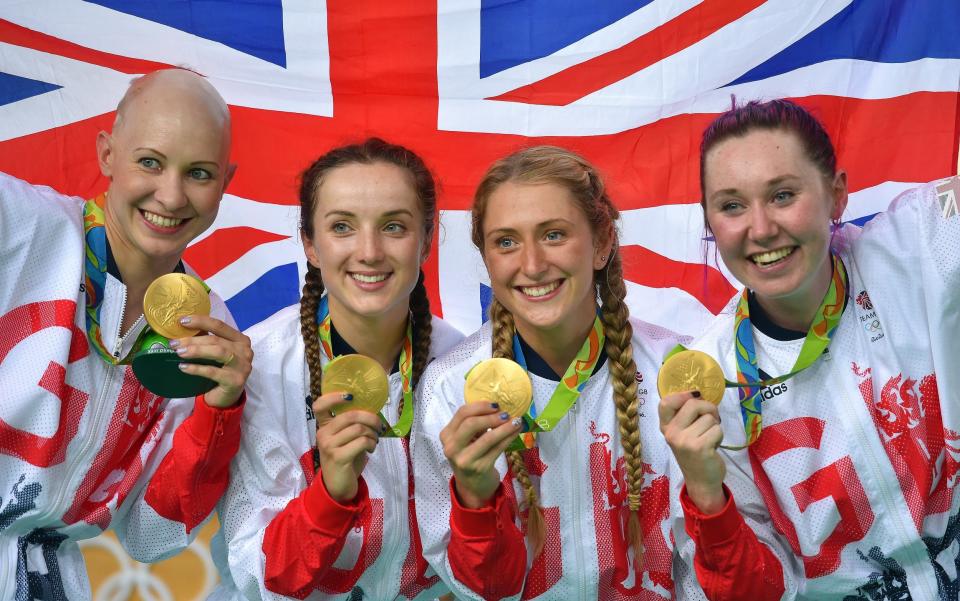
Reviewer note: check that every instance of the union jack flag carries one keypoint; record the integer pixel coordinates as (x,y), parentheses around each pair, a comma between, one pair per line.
(630,84)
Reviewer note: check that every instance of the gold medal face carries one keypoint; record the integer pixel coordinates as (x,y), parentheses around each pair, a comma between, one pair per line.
(692,370)
(362,377)
(500,381)
(170,297)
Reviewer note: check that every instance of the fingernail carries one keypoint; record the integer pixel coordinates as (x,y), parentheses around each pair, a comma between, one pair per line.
(184,320)
(518,421)
(383,429)
(183,366)
(695,394)
(181,351)
(174,343)
(346,396)
(504,416)
(494,405)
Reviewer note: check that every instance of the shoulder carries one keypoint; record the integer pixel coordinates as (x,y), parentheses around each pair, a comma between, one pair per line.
(38,205)
(457,361)
(443,337)
(651,343)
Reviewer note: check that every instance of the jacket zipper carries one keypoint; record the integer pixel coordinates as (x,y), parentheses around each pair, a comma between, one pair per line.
(577,536)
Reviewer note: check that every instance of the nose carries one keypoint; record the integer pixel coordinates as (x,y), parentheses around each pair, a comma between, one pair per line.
(762,225)
(533,261)
(370,248)
(170,192)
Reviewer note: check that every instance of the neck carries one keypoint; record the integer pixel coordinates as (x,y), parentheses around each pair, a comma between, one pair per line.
(797,311)
(137,273)
(379,337)
(558,346)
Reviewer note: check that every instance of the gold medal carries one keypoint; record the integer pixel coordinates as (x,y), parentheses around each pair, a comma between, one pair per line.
(362,377)
(500,381)
(692,370)
(170,297)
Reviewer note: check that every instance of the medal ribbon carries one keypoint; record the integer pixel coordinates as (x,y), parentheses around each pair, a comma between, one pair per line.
(818,337)
(567,391)
(405,363)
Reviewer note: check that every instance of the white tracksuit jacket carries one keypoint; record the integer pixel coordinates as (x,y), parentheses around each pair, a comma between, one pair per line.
(852,483)
(282,531)
(80,438)
(578,468)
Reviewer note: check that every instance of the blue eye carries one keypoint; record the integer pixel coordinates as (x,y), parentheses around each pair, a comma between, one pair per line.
(783,196)
(340,228)
(149,163)
(730,206)
(554,235)
(200,174)
(505,243)
(394,228)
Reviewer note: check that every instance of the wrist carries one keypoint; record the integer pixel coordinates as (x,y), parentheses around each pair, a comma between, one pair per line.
(339,491)
(471,498)
(709,499)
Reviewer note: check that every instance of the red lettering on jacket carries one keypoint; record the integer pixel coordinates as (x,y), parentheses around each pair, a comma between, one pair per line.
(838,481)
(339,580)
(15,327)
(609,483)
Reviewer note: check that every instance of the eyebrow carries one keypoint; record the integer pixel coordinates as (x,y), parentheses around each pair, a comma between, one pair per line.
(769,184)
(163,156)
(540,226)
(393,213)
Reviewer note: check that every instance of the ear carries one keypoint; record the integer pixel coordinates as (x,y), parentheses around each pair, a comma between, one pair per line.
(603,250)
(105,153)
(228,177)
(308,250)
(839,191)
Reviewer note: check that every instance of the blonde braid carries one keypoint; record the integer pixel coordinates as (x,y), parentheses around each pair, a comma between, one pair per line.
(422,331)
(623,369)
(535,523)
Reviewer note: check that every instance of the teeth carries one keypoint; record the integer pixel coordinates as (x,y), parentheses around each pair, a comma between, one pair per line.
(369,279)
(771,256)
(160,220)
(539,290)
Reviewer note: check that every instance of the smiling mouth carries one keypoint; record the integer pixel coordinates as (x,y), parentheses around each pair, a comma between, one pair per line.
(538,291)
(772,257)
(369,278)
(160,220)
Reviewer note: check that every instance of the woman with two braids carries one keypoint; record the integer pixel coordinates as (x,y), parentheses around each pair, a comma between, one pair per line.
(321,506)
(581,508)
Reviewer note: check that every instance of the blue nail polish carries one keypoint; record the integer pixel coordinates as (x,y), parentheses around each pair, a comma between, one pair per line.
(347,396)
(504,416)
(494,405)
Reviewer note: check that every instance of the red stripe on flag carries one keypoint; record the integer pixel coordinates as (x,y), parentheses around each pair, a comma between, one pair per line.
(225,246)
(17,35)
(573,83)
(704,283)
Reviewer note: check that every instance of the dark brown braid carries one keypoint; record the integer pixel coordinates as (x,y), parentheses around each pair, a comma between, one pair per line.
(422,331)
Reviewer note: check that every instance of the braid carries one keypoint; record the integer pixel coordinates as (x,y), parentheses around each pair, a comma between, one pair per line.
(422,331)
(309,300)
(503,328)
(619,332)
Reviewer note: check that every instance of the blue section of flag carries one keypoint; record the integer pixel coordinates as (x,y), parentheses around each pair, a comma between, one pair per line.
(274,290)
(486,297)
(255,28)
(14,88)
(888,31)
(862,220)
(516,31)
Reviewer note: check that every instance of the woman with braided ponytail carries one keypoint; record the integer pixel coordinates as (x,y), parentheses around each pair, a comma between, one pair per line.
(321,506)
(590,490)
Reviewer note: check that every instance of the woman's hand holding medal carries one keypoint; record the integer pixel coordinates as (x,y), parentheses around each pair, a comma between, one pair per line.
(690,422)
(497,394)
(223,344)
(348,421)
